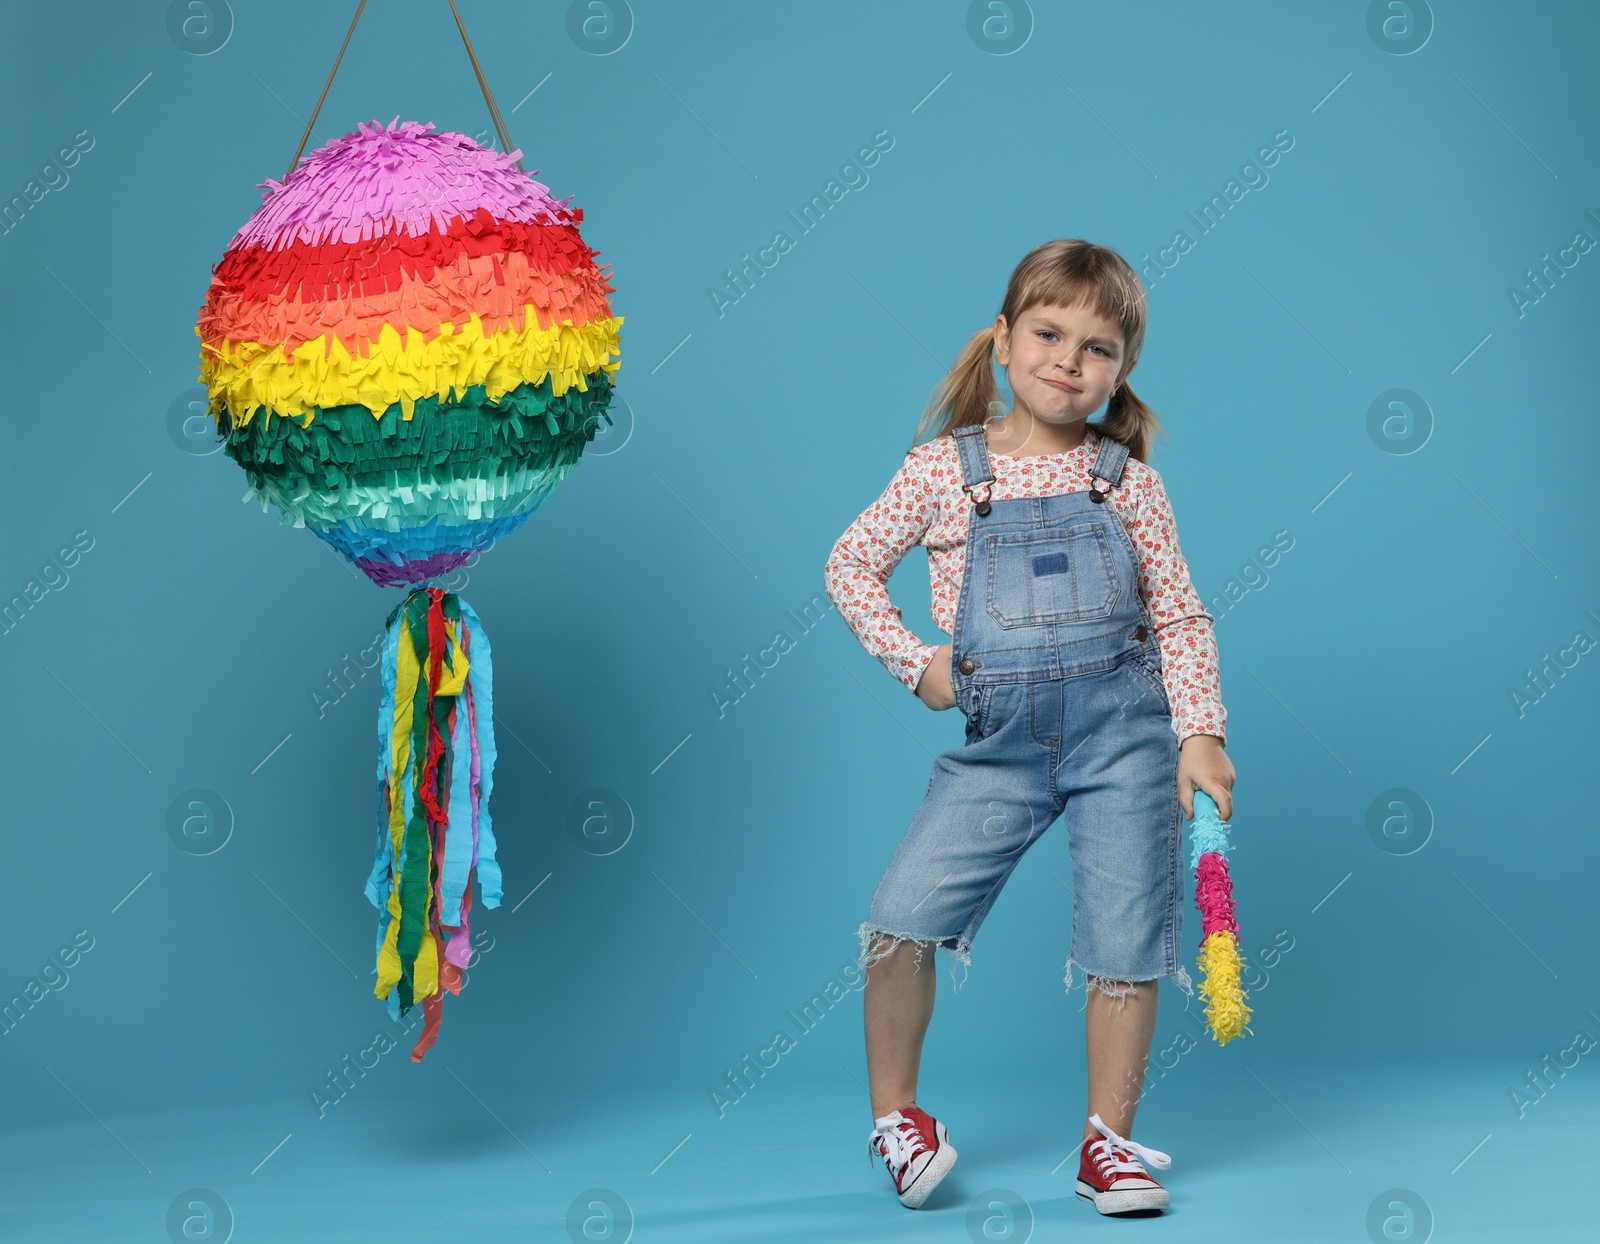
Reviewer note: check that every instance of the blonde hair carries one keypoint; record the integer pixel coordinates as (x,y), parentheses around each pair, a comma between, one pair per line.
(1064,272)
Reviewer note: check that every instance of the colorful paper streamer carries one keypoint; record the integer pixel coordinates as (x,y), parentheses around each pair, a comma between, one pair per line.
(435,773)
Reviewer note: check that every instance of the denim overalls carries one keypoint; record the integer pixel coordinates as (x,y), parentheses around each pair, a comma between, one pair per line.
(1057,672)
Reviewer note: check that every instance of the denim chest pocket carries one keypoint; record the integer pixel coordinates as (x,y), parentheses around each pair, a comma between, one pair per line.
(1056,574)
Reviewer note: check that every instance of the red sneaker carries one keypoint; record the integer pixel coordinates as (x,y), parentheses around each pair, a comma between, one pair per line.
(1111,1176)
(917,1151)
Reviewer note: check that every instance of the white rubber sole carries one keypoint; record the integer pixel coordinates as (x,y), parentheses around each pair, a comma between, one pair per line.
(924,1184)
(1124,1201)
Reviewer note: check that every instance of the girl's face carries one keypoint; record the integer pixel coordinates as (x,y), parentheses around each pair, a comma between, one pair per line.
(1062,362)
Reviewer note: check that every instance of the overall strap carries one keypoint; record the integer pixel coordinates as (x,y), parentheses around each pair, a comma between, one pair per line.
(1108,463)
(975,465)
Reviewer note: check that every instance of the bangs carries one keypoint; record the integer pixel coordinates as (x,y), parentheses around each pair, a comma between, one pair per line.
(1072,276)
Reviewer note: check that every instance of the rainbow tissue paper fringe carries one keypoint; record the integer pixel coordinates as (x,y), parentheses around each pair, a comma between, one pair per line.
(435,774)
(1226,1012)
(407,347)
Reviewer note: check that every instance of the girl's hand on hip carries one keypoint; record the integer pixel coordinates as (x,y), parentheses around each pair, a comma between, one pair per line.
(1203,764)
(934,688)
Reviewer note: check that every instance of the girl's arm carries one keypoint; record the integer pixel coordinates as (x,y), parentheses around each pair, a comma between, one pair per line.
(1183,627)
(857,571)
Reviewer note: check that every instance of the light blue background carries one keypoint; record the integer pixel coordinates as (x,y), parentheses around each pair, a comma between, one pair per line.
(1378,654)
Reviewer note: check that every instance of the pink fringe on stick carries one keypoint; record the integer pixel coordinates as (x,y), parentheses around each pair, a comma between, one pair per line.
(1213,895)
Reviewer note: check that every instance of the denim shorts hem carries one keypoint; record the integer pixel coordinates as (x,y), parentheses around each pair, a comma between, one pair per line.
(1106,982)
(956,943)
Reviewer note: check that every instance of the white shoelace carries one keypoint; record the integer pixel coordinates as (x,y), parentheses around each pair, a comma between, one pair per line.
(901,1139)
(1109,1145)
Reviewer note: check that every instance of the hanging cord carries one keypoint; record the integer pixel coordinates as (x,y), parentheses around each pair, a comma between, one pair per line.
(325,87)
(483,85)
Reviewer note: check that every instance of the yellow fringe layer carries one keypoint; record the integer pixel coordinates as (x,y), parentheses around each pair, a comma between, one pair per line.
(245,376)
(1220,990)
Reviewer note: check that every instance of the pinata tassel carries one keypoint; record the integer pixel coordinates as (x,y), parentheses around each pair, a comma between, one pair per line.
(1227,1014)
(435,771)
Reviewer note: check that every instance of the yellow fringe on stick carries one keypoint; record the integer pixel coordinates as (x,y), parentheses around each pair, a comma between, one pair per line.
(1220,990)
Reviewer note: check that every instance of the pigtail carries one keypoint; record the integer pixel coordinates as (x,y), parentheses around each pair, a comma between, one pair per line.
(968,393)
(1129,420)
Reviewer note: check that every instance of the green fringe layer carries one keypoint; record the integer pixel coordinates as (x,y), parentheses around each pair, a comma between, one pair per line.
(344,448)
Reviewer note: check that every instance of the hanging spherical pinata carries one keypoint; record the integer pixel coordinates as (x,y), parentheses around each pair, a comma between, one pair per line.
(407,347)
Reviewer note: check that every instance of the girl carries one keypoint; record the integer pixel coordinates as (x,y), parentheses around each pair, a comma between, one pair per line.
(1085,665)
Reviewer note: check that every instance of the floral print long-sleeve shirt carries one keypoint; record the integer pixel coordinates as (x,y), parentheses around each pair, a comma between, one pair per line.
(924,504)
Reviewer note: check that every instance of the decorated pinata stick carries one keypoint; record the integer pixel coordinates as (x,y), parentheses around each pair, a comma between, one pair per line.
(1227,1015)
(407,347)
